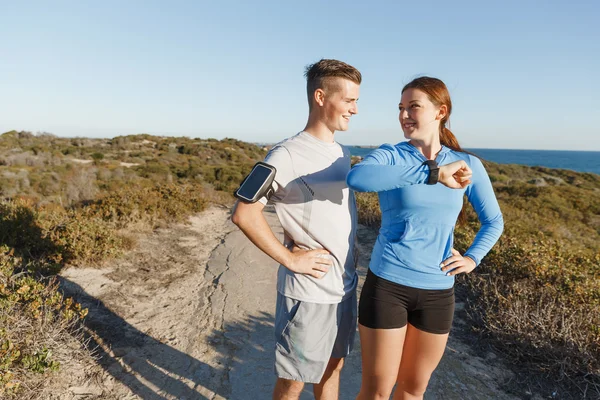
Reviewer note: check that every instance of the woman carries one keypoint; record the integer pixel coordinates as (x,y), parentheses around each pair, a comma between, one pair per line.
(407,302)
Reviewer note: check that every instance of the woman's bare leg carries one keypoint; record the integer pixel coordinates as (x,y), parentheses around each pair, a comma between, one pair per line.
(381,352)
(422,353)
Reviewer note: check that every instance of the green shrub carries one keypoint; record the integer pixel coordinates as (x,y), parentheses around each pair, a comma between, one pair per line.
(97,156)
(56,235)
(34,317)
(149,204)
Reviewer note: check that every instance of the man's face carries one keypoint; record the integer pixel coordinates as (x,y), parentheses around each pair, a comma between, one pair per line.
(339,104)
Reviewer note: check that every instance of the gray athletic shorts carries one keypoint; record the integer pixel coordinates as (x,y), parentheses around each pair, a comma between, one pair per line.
(309,334)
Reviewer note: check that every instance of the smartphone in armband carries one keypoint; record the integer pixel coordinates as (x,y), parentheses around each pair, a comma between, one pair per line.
(258,183)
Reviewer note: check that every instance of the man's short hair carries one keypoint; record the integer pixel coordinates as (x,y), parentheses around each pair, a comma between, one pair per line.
(320,76)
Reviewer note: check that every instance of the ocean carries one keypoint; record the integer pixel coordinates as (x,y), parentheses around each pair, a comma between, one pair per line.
(580,161)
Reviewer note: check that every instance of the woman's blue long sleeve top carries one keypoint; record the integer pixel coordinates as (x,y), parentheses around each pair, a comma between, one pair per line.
(417,220)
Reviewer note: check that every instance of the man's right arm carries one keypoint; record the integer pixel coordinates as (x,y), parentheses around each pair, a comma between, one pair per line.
(250,219)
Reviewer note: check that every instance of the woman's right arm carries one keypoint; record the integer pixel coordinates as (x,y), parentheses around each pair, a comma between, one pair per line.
(379,172)
(383,170)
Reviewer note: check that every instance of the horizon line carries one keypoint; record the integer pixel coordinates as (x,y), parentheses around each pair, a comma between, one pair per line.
(365,146)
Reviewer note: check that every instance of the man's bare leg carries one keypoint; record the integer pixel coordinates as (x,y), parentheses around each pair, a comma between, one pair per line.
(287,389)
(329,387)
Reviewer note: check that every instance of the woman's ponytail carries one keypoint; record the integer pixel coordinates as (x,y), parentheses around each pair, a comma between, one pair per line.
(448,139)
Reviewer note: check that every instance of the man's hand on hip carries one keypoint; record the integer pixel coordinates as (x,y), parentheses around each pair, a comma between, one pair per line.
(315,263)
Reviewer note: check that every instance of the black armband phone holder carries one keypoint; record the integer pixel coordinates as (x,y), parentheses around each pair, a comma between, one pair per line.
(257,184)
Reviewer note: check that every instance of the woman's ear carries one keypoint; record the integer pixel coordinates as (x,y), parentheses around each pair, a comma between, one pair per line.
(442,112)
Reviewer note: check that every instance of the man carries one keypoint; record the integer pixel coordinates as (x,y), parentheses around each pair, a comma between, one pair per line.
(315,319)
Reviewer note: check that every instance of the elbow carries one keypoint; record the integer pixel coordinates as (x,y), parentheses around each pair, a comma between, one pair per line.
(350,181)
(353,180)
(244,215)
(235,218)
(500,224)
(236,215)
(497,226)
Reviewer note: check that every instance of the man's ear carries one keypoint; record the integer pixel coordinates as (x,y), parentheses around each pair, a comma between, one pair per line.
(442,112)
(319,97)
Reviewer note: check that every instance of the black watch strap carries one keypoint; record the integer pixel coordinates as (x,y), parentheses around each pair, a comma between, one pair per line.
(434,171)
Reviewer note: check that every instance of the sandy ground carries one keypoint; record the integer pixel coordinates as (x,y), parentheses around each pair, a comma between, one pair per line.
(188,314)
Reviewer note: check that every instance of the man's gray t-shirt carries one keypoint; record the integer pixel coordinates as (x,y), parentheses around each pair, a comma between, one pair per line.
(317,210)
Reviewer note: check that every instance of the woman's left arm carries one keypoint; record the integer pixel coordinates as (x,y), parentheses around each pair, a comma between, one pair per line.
(480,194)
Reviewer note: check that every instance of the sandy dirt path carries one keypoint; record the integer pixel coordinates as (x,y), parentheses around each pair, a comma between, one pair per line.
(188,314)
(152,314)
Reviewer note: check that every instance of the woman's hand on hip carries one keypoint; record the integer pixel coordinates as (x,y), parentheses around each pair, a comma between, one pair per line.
(457,264)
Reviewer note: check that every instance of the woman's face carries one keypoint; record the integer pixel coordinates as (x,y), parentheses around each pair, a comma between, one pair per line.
(419,117)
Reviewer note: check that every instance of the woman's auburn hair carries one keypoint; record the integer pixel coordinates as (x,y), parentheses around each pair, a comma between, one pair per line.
(438,94)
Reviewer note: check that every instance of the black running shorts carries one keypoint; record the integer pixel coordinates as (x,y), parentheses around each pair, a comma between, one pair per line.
(388,305)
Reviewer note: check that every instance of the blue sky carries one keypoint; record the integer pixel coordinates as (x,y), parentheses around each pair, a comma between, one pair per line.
(522,74)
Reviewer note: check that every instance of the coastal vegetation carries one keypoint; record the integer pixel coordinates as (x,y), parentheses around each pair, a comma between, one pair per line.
(81,202)
(78,201)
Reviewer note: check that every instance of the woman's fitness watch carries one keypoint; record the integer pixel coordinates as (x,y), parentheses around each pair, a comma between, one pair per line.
(434,172)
